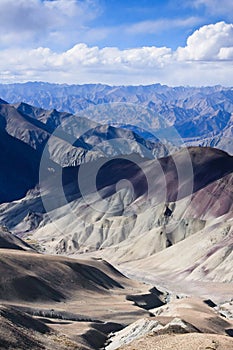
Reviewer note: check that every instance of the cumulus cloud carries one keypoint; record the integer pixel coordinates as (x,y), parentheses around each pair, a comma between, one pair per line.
(209,43)
(83,56)
(206,59)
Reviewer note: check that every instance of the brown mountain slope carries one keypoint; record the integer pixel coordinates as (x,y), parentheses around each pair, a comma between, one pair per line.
(168,200)
(49,300)
(175,202)
(20,331)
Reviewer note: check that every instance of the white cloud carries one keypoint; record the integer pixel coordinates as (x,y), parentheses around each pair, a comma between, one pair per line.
(205,60)
(152,27)
(226,53)
(83,56)
(215,7)
(209,43)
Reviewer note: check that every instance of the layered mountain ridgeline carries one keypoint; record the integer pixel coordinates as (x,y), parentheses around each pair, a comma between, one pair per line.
(202,116)
(26,130)
(141,212)
(166,208)
(72,187)
(102,190)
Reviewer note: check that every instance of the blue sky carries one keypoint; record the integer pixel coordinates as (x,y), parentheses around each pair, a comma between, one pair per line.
(117,42)
(140,14)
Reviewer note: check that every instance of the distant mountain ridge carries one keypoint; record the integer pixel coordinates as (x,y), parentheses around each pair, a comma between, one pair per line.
(201,115)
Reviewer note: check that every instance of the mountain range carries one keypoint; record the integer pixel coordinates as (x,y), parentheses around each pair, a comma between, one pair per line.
(105,188)
(199,116)
(26,130)
(78,191)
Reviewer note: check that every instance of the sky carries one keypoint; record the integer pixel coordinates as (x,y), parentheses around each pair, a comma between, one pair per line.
(117,42)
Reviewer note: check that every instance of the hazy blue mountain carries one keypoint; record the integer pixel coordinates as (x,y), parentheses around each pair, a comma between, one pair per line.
(201,115)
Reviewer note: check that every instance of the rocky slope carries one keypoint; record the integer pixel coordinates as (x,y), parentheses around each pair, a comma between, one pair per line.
(126,208)
(181,324)
(88,190)
(52,302)
(29,133)
(49,302)
(141,214)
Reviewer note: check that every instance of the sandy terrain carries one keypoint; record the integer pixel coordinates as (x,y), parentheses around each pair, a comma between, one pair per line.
(76,301)
(180,316)
(190,341)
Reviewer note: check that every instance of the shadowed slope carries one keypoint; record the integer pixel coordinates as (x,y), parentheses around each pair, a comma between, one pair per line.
(206,165)
(35,277)
(20,331)
(45,297)
(19,168)
(9,241)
